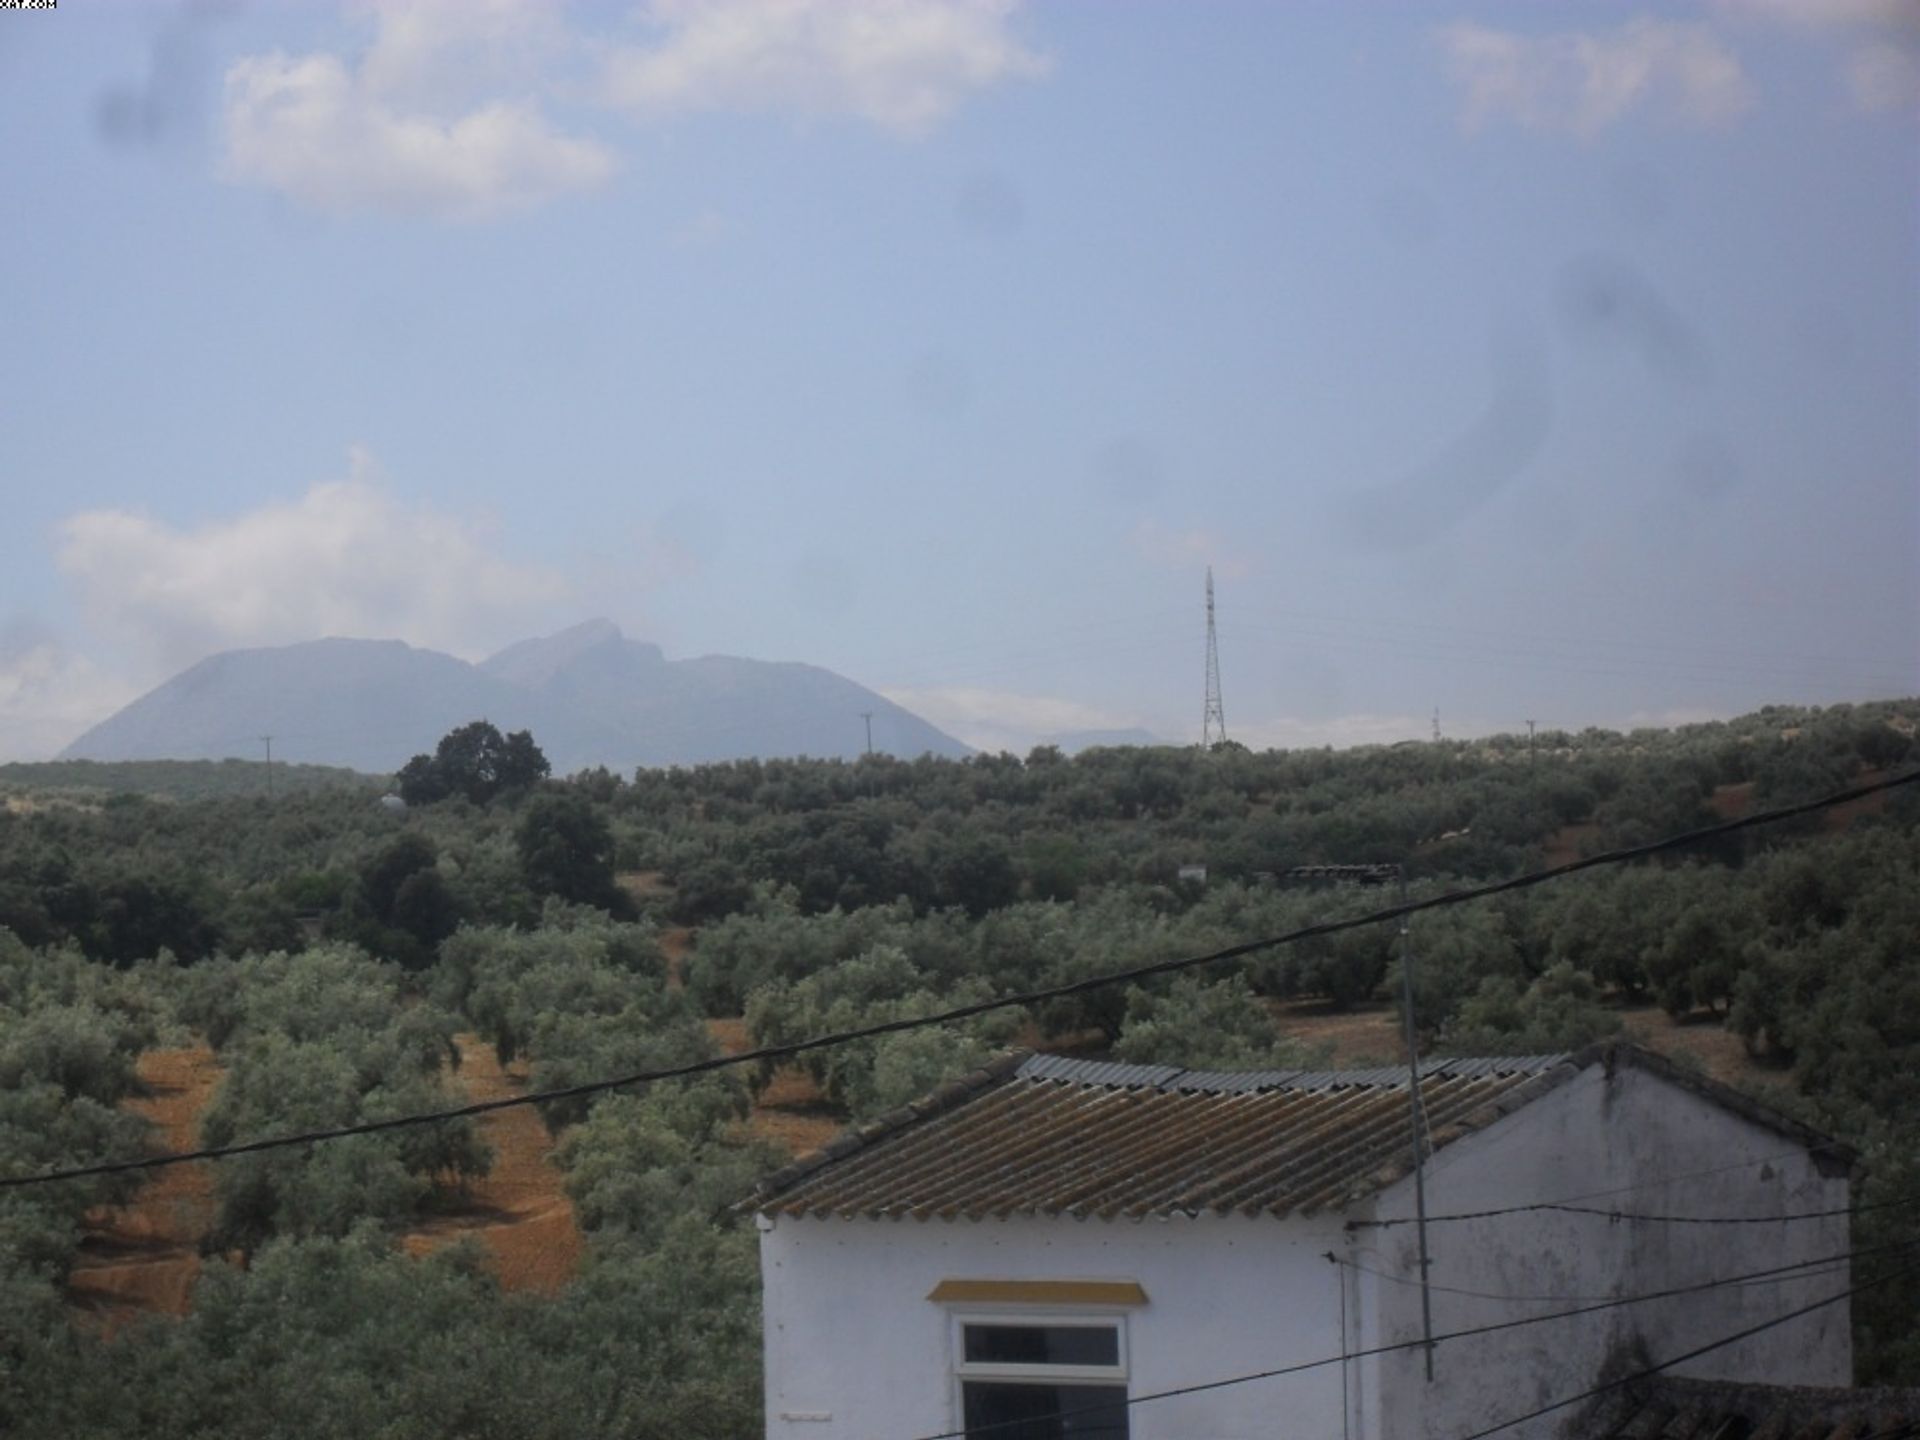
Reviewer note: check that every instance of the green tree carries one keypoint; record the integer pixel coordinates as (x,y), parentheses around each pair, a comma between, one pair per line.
(1219,1025)
(566,849)
(475,761)
(1560,1010)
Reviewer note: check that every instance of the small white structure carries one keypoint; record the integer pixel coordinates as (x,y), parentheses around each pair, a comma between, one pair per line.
(1037,1249)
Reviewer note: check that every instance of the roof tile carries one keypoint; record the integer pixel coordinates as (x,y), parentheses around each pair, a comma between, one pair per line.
(1047,1135)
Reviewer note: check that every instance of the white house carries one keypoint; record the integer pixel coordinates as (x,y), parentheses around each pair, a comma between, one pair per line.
(1027,1248)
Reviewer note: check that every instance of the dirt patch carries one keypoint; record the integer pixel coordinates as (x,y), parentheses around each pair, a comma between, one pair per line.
(1364,1036)
(1568,843)
(1731,802)
(518,1210)
(793,1113)
(143,1258)
(790,1111)
(730,1034)
(796,1131)
(1839,817)
(1370,1035)
(675,943)
(1718,1052)
(34,804)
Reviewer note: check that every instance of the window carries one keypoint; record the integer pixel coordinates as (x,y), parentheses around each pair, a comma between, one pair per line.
(1028,1378)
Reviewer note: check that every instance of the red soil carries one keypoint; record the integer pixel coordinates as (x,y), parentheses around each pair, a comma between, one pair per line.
(518,1210)
(144,1258)
(791,1111)
(674,945)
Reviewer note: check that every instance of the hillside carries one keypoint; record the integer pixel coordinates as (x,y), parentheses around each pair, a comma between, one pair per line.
(590,695)
(93,780)
(330,961)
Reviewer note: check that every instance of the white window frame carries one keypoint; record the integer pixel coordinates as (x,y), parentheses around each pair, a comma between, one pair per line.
(1030,1317)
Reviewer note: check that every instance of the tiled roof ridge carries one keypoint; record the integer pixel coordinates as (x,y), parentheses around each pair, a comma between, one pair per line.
(1524,1079)
(949,1096)
(1496,1108)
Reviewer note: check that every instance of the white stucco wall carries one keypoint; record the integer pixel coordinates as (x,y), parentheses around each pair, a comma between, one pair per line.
(1660,1137)
(851,1336)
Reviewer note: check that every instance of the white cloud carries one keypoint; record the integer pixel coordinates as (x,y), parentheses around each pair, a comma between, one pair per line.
(1583,82)
(1285,732)
(346,558)
(447,54)
(1671,719)
(402,132)
(996,720)
(900,64)
(48,694)
(1882,66)
(441,116)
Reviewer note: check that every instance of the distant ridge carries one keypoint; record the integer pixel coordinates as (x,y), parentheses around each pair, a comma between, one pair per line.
(589,695)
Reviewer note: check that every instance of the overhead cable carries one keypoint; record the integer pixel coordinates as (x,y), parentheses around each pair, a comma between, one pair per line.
(1495,1327)
(834,1039)
(1648,1372)
(1630,1215)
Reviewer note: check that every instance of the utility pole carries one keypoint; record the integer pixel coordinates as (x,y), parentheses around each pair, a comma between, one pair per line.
(1374,875)
(867,715)
(1436,724)
(267,740)
(1419,1116)
(1213,724)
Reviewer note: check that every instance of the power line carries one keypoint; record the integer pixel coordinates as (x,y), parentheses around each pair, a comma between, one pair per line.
(1813,1267)
(1647,1373)
(1672,1179)
(833,1039)
(1648,1219)
(1493,1328)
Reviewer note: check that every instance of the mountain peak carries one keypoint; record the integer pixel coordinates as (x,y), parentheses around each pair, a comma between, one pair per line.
(535,662)
(589,695)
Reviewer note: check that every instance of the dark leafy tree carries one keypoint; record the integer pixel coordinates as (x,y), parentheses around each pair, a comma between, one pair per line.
(566,849)
(404,907)
(475,761)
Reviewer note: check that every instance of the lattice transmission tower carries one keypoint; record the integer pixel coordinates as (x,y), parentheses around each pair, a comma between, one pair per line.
(1213,727)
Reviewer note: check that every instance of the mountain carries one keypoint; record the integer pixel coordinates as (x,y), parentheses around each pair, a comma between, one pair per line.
(589,695)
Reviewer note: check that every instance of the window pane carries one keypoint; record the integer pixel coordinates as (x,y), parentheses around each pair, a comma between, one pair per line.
(1001,1410)
(1043,1344)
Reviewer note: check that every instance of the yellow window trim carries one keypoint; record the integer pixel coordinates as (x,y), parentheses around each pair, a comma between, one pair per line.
(1039,1292)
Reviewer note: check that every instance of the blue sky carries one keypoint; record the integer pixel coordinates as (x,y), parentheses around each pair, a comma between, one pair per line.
(1520,361)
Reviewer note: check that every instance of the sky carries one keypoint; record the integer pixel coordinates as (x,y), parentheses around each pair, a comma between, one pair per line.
(1541,362)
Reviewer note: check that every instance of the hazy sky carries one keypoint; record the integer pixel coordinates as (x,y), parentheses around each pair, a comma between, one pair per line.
(1524,361)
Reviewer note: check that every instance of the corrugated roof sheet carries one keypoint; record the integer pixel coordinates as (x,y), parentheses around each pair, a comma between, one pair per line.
(1046,1135)
(1169,1077)
(1672,1409)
